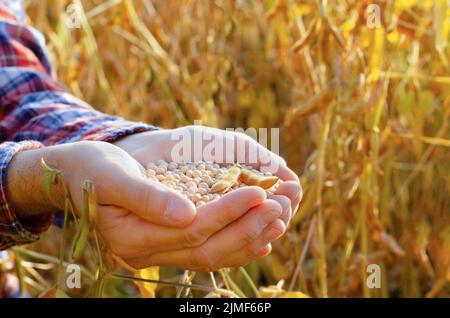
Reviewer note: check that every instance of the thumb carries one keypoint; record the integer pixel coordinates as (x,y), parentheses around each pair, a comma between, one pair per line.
(153,202)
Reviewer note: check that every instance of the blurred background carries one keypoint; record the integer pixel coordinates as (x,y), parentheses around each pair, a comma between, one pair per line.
(359,89)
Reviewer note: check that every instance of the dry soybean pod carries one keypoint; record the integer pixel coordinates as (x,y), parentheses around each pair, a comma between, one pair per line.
(81,239)
(252,179)
(227,182)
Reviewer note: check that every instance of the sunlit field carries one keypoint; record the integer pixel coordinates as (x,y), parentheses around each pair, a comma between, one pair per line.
(363,107)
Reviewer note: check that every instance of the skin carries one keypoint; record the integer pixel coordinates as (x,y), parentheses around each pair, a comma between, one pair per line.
(149,224)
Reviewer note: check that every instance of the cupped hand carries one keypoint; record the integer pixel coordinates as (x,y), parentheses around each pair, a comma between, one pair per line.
(160,144)
(143,222)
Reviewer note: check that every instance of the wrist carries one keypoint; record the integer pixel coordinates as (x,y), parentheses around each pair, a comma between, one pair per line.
(25,183)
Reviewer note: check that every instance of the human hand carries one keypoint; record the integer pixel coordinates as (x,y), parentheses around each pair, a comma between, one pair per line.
(155,145)
(133,210)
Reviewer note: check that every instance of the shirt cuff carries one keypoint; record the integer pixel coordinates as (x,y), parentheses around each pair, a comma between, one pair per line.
(12,230)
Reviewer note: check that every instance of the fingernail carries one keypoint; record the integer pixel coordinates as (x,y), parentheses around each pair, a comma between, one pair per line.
(176,210)
(270,216)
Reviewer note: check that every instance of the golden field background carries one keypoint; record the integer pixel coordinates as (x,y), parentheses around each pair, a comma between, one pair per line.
(363,116)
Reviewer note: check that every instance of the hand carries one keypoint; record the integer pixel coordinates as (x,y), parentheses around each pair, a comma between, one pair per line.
(117,177)
(154,145)
(133,211)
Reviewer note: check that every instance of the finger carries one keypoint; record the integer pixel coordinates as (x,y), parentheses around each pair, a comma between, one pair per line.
(217,214)
(243,231)
(293,191)
(208,257)
(285,204)
(259,248)
(145,236)
(150,200)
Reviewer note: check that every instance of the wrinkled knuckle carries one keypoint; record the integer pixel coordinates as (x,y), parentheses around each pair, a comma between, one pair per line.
(284,201)
(143,196)
(194,238)
(203,261)
(227,213)
(250,252)
(250,235)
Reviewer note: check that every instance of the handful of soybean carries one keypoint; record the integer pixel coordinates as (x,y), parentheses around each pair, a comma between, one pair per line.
(203,182)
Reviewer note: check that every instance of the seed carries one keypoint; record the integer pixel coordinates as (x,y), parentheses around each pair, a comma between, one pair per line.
(203,185)
(206,179)
(150,173)
(200,203)
(195,197)
(160,170)
(202,191)
(160,177)
(196,174)
(168,178)
(184,169)
(168,183)
(191,190)
(184,178)
(191,184)
(201,167)
(172,166)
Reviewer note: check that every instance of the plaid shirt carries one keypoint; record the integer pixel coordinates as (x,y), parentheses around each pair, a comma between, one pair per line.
(36,111)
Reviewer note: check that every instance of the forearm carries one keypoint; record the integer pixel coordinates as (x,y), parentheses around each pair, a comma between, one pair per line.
(34,105)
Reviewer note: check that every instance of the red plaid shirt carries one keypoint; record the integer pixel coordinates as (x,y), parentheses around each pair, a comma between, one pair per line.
(36,111)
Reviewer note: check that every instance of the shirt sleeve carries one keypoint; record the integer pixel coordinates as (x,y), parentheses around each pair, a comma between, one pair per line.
(36,111)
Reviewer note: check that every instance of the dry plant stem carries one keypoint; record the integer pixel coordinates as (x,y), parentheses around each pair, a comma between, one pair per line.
(213,279)
(20,271)
(50,259)
(219,291)
(37,277)
(298,268)
(190,279)
(250,282)
(231,284)
(184,280)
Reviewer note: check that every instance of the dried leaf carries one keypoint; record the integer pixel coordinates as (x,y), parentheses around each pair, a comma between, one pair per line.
(147,290)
